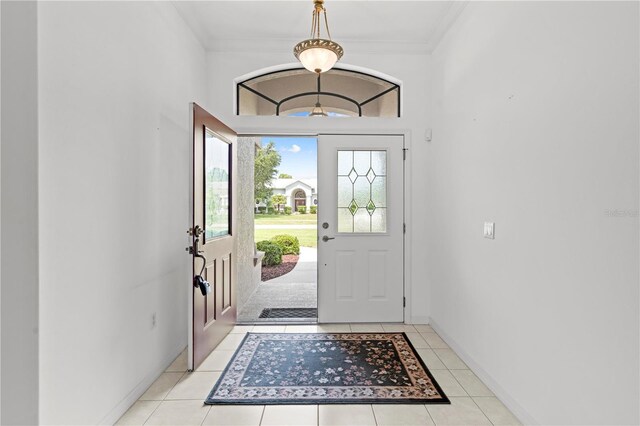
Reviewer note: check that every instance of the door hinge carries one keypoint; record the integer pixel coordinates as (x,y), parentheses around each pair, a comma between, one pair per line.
(404,228)
(404,153)
(404,302)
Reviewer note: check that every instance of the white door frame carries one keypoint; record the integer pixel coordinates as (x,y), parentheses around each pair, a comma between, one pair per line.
(408,186)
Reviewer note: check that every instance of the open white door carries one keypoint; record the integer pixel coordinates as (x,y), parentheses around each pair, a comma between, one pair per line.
(360,228)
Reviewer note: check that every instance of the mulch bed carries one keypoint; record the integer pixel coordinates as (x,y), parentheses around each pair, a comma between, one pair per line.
(288,263)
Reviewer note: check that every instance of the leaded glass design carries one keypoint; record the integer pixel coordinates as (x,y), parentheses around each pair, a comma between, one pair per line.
(362,191)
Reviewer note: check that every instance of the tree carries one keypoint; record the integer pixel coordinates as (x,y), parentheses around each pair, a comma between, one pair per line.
(267,159)
(278,200)
(285,176)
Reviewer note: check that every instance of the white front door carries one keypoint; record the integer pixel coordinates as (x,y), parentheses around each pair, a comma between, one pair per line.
(360,228)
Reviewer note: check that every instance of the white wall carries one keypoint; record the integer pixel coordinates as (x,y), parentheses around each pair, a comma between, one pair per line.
(115,82)
(411,69)
(19,199)
(536,129)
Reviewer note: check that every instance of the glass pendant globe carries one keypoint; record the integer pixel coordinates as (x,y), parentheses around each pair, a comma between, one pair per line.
(318,59)
(318,111)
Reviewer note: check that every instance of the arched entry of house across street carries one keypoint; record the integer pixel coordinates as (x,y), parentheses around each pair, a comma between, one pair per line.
(299,199)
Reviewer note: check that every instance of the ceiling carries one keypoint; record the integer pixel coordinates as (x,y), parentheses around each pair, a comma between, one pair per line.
(363,26)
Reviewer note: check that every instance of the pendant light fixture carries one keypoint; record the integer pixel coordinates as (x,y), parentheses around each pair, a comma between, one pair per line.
(318,111)
(318,54)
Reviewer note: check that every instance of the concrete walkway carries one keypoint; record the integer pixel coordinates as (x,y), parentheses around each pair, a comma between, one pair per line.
(297,289)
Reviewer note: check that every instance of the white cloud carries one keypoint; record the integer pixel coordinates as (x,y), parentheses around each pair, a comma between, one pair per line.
(295,148)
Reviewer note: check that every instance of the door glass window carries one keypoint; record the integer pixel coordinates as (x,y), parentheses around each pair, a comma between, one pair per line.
(217,186)
(362,191)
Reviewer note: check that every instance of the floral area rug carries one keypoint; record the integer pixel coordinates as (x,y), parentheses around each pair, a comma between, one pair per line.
(326,368)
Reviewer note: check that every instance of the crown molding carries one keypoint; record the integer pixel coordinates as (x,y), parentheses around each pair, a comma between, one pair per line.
(446,22)
(413,46)
(357,46)
(350,46)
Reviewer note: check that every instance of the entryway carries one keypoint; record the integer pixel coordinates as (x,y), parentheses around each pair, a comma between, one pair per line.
(285,232)
(359,272)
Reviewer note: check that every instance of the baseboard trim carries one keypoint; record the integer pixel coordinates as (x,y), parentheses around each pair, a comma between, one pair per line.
(504,396)
(417,319)
(116,412)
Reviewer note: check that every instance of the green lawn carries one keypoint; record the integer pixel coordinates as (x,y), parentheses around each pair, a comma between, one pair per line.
(282,219)
(307,237)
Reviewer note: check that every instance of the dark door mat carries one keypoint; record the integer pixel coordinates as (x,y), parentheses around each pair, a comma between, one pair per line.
(289,313)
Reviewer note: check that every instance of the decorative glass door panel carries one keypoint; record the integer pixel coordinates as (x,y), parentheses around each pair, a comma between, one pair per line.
(362,191)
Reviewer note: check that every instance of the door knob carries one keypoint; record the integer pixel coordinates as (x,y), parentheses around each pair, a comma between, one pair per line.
(325,238)
(196,231)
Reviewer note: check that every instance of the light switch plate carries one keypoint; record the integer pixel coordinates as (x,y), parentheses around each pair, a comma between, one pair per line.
(489,230)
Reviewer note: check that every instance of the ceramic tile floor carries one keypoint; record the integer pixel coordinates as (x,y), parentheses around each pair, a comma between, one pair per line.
(176,397)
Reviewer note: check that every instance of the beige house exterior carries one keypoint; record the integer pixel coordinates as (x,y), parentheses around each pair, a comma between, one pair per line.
(299,192)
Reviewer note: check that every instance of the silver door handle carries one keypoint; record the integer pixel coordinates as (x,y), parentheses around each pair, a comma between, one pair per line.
(325,238)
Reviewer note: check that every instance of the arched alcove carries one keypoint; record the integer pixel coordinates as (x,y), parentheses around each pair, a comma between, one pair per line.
(300,198)
(342,91)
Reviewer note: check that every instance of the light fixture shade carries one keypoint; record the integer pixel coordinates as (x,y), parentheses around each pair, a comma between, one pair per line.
(318,55)
(318,111)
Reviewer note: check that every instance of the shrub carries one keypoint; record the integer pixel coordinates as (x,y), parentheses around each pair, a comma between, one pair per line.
(287,209)
(313,209)
(288,243)
(302,209)
(272,252)
(262,209)
(269,210)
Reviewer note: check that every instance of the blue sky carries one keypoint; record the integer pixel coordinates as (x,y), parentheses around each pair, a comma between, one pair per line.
(299,155)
